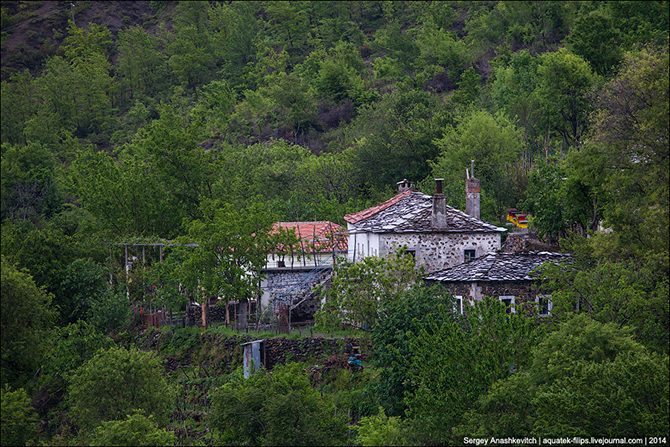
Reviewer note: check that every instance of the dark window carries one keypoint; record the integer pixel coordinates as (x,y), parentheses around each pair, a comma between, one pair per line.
(509,302)
(544,304)
(469,255)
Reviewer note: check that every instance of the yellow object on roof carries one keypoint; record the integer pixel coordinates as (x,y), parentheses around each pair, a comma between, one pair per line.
(518,218)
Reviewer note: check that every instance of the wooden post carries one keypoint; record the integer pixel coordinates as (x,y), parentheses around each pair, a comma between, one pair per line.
(313,247)
(302,247)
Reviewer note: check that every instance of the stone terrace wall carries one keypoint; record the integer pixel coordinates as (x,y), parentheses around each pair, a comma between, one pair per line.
(221,354)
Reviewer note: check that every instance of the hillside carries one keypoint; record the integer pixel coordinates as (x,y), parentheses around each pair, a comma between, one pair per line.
(149,149)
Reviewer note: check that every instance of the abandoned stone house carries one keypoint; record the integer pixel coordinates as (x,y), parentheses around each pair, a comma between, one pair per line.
(508,276)
(436,234)
(292,275)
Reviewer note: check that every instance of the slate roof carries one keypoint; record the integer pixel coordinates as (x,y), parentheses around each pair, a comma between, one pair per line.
(410,212)
(361,215)
(498,267)
(322,236)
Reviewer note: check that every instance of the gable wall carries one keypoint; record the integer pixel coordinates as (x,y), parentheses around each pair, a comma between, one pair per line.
(438,251)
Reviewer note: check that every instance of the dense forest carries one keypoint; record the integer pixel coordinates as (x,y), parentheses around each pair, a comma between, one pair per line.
(205,122)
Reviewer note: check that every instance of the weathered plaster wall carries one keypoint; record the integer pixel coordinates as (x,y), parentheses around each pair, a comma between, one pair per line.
(438,251)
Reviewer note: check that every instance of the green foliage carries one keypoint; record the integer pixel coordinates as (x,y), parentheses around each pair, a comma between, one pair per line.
(116,382)
(141,65)
(413,311)
(494,142)
(136,429)
(381,430)
(564,83)
(359,289)
(560,203)
(584,364)
(18,422)
(596,39)
(278,408)
(27,316)
(72,345)
(455,362)
(611,290)
(28,184)
(626,159)
(231,251)
(82,282)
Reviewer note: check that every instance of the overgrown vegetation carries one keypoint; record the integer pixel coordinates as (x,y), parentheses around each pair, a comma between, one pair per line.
(205,122)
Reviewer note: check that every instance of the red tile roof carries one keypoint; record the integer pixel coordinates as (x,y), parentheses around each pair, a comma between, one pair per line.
(321,236)
(362,215)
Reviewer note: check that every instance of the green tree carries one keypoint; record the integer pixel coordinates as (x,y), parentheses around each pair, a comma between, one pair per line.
(115,382)
(626,159)
(72,345)
(18,420)
(381,430)
(595,38)
(136,429)
(28,182)
(455,362)
(358,289)
(81,282)
(413,311)
(277,408)
(494,142)
(17,106)
(393,138)
(110,312)
(559,201)
(584,364)
(27,316)
(141,65)
(232,246)
(565,81)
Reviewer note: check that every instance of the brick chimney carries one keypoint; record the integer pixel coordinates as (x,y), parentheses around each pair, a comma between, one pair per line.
(404,185)
(439,215)
(472,192)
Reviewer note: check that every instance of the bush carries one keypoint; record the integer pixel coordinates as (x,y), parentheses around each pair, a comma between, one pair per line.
(381,430)
(136,429)
(18,423)
(114,383)
(278,408)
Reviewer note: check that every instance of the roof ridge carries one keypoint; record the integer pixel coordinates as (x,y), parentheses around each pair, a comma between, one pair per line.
(376,209)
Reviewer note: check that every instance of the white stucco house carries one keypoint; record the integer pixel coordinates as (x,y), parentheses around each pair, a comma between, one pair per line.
(438,235)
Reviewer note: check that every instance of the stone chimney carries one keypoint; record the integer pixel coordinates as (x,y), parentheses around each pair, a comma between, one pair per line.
(472,190)
(439,215)
(404,185)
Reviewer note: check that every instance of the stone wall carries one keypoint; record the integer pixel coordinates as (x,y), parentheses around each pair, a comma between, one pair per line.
(438,251)
(282,350)
(291,287)
(221,354)
(215,314)
(524,292)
